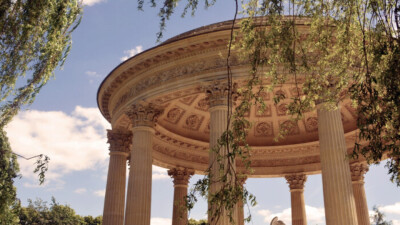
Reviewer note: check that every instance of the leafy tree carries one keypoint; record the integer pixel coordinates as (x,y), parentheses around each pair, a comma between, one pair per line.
(379,218)
(351,50)
(89,220)
(38,213)
(35,38)
(197,222)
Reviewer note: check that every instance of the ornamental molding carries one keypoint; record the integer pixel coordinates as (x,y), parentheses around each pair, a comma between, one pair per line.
(217,92)
(177,72)
(181,176)
(119,141)
(296,181)
(358,170)
(143,114)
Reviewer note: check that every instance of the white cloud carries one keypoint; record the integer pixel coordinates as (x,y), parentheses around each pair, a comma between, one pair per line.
(396,222)
(391,209)
(73,142)
(131,52)
(92,73)
(80,190)
(100,193)
(314,215)
(91,2)
(160,221)
(160,173)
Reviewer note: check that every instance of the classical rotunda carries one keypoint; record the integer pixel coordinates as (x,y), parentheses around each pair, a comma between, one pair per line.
(168,106)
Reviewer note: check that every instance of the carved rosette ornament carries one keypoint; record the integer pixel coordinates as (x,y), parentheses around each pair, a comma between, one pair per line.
(119,140)
(358,171)
(296,181)
(217,93)
(144,114)
(181,176)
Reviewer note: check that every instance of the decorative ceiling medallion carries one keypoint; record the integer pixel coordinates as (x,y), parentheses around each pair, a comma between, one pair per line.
(311,124)
(259,112)
(193,122)
(291,128)
(188,100)
(174,115)
(203,105)
(264,129)
(282,109)
(296,91)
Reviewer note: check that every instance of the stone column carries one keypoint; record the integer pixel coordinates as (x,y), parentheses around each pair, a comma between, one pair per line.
(138,201)
(357,176)
(338,192)
(296,185)
(240,206)
(114,201)
(181,178)
(217,94)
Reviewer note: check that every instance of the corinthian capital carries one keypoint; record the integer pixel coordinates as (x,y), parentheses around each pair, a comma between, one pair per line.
(181,175)
(217,93)
(296,181)
(357,171)
(144,114)
(119,140)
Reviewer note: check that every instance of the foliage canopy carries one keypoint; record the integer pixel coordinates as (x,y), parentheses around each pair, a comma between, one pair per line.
(35,38)
(351,50)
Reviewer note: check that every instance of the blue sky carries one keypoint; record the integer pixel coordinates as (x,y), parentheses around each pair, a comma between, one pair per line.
(65,124)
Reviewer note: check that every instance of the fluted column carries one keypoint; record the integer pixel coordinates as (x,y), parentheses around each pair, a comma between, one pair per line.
(217,94)
(138,202)
(240,206)
(338,192)
(114,201)
(357,176)
(181,178)
(296,185)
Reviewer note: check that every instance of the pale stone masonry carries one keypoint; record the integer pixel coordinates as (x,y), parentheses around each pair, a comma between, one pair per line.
(217,94)
(180,178)
(138,201)
(173,100)
(336,180)
(114,201)
(358,171)
(296,185)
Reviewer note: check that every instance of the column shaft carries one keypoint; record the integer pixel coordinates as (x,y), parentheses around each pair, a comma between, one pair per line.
(218,124)
(357,175)
(298,207)
(296,185)
(114,202)
(181,180)
(337,188)
(138,207)
(179,212)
